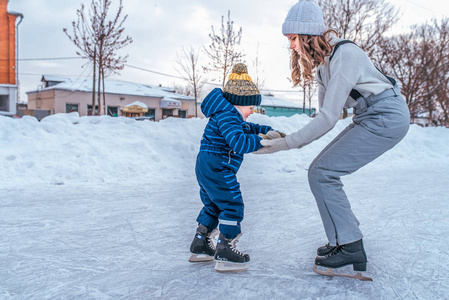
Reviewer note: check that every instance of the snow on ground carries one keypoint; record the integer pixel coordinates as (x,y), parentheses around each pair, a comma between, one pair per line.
(105,208)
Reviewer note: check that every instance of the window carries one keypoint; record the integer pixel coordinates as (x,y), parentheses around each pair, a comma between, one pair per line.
(89,110)
(71,107)
(113,111)
(4,102)
(182,113)
(167,113)
(151,113)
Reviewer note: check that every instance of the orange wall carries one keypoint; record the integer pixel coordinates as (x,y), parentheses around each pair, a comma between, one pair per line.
(7,45)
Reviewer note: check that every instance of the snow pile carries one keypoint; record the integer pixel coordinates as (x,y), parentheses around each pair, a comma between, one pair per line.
(66,148)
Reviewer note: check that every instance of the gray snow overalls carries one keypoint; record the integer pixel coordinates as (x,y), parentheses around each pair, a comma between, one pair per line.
(379,123)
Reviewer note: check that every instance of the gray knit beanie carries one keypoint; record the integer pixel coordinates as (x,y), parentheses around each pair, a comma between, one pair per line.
(305,17)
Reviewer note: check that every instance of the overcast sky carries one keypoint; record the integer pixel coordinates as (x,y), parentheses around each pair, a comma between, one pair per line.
(161,28)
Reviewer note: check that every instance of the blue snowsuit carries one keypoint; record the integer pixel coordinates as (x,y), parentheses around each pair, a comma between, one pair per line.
(226,138)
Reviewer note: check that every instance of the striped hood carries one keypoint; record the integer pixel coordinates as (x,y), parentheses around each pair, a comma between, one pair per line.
(215,102)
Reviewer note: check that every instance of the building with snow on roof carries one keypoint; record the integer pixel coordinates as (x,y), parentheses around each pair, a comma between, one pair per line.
(274,107)
(63,95)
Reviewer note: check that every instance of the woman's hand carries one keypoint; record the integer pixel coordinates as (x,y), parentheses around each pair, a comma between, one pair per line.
(272,146)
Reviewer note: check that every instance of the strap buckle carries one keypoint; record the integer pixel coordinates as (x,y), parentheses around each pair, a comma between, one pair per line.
(361,106)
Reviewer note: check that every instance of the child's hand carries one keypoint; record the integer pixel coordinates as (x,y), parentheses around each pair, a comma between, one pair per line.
(272,134)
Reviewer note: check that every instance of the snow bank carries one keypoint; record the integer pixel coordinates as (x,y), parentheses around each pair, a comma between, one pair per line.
(66,148)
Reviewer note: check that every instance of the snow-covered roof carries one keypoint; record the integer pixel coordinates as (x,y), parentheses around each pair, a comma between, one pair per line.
(54,78)
(112,87)
(268,100)
(137,103)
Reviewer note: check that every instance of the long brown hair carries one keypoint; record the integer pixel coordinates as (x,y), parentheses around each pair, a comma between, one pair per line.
(313,48)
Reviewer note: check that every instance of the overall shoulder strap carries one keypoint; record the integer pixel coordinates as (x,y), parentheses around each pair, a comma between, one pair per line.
(354,93)
(335,49)
(338,45)
(391,79)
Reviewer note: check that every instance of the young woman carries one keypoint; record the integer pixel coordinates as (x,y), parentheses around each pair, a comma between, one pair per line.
(346,79)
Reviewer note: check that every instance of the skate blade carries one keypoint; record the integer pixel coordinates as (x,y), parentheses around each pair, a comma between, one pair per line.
(200,258)
(330,272)
(226,266)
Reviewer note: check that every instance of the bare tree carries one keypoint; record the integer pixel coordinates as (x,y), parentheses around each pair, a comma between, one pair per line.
(403,60)
(222,50)
(440,87)
(362,21)
(311,89)
(181,89)
(98,40)
(308,91)
(303,85)
(419,60)
(258,81)
(190,71)
(443,105)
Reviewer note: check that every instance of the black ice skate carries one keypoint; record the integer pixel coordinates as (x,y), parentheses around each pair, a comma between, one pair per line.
(228,258)
(324,250)
(202,247)
(343,255)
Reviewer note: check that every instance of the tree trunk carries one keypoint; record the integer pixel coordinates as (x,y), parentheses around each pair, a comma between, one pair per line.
(304,99)
(310,100)
(196,99)
(104,93)
(93,82)
(99,87)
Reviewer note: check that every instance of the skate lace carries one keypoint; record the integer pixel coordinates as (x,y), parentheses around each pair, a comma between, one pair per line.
(335,251)
(233,245)
(211,236)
